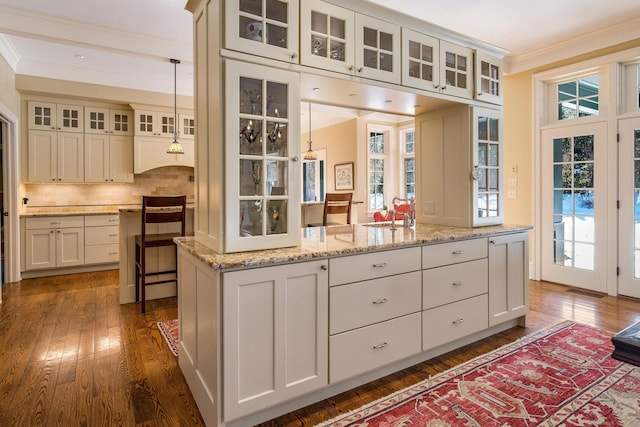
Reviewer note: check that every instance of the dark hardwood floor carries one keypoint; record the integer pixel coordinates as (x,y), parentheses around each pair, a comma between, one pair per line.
(71,355)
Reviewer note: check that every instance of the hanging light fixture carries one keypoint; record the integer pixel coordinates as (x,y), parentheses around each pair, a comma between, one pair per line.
(175,147)
(310,155)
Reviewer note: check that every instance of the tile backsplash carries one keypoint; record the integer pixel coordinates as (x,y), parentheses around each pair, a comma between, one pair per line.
(169,180)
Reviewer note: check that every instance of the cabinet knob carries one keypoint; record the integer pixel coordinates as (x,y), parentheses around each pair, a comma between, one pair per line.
(361,69)
(294,159)
(324,267)
(294,56)
(443,87)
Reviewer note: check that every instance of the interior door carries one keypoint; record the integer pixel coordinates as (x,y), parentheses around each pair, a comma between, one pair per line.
(574,182)
(629,212)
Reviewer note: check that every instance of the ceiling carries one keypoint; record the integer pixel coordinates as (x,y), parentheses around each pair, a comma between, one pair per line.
(126,43)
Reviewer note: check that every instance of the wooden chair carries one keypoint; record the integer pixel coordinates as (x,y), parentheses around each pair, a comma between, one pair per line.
(336,203)
(157,210)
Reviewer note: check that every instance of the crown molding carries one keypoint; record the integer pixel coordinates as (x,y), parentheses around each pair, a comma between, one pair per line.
(9,53)
(610,36)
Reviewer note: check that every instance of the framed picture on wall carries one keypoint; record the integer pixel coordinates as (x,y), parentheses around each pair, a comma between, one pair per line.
(344,176)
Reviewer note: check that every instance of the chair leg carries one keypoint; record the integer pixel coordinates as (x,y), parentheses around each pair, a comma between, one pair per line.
(143,276)
(137,273)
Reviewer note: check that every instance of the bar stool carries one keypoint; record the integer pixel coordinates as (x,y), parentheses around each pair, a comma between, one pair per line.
(157,210)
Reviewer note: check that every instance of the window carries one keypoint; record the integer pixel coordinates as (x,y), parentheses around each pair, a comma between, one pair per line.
(377,153)
(578,98)
(408,163)
(313,178)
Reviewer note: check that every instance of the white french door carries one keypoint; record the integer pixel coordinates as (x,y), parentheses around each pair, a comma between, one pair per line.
(574,182)
(629,212)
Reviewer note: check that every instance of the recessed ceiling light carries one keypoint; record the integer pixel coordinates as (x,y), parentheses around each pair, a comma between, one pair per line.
(316,89)
(80,56)
(352,94)
(388,101)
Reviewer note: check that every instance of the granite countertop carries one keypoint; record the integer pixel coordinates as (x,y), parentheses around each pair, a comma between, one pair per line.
(327,242)
(36,211)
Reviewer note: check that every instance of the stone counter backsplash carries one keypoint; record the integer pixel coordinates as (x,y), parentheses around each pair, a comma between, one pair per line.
(161,181)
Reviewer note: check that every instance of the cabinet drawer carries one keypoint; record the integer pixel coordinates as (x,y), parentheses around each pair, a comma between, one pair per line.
(363,303)
(101,220)
(444,285)
(37,223)
(449,322)
(354,352)
(101,235)
(373,265)
(453,252)
(99,254)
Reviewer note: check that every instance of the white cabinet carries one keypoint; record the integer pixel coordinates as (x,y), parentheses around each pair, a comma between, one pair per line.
(263,28)
(101,239)
(338,39)
(454,291)
(154,132)
(107,121)
(508,277)
(436,65)
(488,78)
(274,335)
(56,156)
(468,163)
(262,149)
(154,123)
(55,117)
(108,158)
(54,242)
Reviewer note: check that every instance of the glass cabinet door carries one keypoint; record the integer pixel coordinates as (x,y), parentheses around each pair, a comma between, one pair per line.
(267,28)
(377,49)
(488,78)
(420,61)
(488,186)
(262,151)
(327,36)
(456,70)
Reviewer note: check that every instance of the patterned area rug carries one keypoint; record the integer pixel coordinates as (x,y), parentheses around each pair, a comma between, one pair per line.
(169,331)
(562,376)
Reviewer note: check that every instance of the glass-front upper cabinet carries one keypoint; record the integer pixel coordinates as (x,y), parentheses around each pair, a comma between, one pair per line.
(420,61)
(267,28)
(327,36)
(262,151)
(377,49)
(488,185)
(488,78)
(456,70)
(55,117)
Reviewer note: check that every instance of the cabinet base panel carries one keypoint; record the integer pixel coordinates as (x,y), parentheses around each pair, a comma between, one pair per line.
(30,274)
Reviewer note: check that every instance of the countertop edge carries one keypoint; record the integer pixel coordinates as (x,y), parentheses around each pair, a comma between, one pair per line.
(263,258)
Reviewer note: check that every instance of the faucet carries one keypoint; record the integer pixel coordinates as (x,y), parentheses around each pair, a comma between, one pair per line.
(409,221)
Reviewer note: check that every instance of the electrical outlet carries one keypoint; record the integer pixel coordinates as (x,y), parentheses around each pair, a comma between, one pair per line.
(512,181)
(429,207)
(514,169)
(512,194)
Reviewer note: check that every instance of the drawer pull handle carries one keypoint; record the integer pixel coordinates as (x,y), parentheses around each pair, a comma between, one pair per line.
(458,252)
(379,346)
(458,283)
(55,222)
(113,253)
(381,301)
(113,235)
(458,321)
(380,265)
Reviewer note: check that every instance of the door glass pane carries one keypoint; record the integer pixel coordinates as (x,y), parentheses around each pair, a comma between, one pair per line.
(250,131)
(251,218)
(573,197)
(386,62)
(251,28)
(386,41)
(277,100)
(276,35)
(250,178)
(277,139)
(250,96)
(636,202)
(337,50)
(319,46)
(338,28)
(370,37)
(277,10)
(251,6)
(414,49)
(319,22)
(370,58)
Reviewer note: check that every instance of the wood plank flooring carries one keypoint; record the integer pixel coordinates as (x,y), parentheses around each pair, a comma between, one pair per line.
(70,354)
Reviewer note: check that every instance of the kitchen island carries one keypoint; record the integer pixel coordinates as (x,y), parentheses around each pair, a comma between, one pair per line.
(263,333)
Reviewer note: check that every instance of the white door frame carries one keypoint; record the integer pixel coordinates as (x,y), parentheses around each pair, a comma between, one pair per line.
(11,178)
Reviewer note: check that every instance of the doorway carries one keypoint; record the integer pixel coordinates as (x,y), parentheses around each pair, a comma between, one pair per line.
(574,215)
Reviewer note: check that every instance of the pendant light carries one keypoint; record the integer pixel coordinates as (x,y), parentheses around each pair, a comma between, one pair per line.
(175,147)
(310,155)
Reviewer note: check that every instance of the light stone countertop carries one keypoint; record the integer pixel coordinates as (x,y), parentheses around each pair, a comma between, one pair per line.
(332,241)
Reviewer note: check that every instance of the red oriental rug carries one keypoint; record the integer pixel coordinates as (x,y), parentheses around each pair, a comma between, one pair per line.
(562,376)
(169,331)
